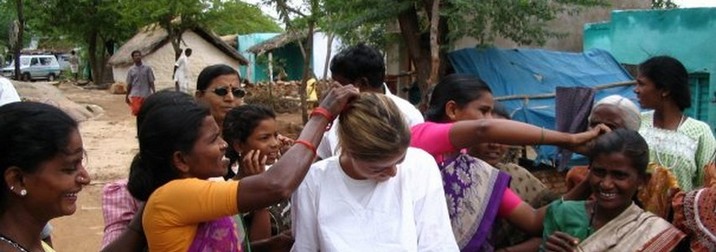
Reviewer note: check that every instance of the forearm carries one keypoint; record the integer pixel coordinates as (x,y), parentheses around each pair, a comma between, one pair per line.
(260,225)
(464,134)
(530,245)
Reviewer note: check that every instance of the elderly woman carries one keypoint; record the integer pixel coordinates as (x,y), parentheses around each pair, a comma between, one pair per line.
(610,220)
(41,158)
(616,112)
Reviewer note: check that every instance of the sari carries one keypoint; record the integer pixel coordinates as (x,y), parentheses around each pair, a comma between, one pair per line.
(657,194)
(473,190)
(632,230)
(695,214)
(217,235)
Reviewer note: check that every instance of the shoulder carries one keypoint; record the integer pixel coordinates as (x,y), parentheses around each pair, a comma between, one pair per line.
(411,113)
(418,161)
(697,124)
(321,169)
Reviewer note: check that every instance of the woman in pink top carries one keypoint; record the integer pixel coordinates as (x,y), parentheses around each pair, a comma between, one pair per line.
(476,192)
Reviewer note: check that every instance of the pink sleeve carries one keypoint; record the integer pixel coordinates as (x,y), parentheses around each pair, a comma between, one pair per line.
(433,138)
(510,201)
(118,208)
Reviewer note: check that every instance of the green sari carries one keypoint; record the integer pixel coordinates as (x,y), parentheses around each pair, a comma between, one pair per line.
(632,230)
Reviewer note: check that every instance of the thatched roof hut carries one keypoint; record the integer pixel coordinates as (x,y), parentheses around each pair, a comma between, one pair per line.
(158,53)
(278,41)
(153,37)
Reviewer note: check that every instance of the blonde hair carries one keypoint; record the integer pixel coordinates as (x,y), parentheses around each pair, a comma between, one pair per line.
(372,128)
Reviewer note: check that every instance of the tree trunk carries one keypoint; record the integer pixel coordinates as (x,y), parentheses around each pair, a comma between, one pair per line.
(409,29)
(307,52)
(18,43)
(434,46)
(96,64)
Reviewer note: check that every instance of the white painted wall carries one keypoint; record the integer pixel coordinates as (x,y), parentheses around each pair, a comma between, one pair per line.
(320,49)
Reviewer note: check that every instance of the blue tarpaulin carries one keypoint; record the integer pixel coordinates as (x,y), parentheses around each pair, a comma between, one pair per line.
(533,72)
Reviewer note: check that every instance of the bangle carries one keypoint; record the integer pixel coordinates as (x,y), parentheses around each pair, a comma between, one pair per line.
(322,112)
(308,145)
(541,137)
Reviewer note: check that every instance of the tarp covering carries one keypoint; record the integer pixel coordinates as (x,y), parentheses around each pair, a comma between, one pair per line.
(534,72)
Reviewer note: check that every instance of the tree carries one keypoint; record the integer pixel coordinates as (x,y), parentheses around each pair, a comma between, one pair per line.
(174,16)
(236,17)
(663,4)
(429,25)
(305,17)
(97,24)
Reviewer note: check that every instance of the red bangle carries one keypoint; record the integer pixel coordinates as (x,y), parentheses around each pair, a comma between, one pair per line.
(322,112)
(308,145)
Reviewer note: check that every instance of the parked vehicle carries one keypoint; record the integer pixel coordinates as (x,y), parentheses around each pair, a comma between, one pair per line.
(33,67)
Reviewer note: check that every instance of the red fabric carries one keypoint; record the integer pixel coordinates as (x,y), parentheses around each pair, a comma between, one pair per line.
(135,104)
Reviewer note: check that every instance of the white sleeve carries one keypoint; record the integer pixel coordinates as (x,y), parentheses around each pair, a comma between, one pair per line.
(431,214)
(8,94)
(325,148)
(303,219)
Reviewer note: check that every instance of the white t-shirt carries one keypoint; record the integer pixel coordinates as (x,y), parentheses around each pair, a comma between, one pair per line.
(8,94)
(407,212)
(329,143)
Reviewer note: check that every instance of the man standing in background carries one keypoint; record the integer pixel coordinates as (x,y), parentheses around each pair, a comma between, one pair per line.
(74,64)
(140,83)
(181,72)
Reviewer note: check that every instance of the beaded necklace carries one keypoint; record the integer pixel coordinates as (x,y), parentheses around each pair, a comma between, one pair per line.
(14,244)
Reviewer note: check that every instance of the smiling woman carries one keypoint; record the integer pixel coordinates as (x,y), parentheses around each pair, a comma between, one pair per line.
(41,160)
(612,219)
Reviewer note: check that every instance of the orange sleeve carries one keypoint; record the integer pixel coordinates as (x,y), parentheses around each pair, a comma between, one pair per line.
(190,201)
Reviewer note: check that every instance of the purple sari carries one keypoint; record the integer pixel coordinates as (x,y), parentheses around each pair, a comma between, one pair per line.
(217,235)
(473,190)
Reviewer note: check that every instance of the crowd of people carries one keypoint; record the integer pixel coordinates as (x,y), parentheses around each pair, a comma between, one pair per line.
(369,172)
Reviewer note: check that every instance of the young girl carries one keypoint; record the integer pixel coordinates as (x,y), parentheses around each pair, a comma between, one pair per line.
(612,221)
(252,133)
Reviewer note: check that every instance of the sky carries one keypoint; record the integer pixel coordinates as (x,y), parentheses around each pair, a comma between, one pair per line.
(695,3)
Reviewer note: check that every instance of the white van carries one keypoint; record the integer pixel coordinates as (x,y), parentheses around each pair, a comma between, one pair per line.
(33,67)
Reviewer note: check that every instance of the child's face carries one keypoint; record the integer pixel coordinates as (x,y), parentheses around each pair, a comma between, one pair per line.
(264,138)
(614,181)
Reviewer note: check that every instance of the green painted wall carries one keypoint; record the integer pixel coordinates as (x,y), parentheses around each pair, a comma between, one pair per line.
(686,34)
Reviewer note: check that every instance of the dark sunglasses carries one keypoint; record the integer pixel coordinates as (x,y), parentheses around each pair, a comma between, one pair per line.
(223,91)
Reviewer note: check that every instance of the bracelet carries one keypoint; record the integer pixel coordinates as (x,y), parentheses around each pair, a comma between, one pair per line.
(322,112)
(541,137)
(308,145)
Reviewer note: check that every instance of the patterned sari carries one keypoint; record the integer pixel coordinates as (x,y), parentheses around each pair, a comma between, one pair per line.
(632,230)
(695,214)
(217,235)
(473,190)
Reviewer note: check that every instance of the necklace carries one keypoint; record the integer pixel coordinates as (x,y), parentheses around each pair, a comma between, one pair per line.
(676,158)
(14,244)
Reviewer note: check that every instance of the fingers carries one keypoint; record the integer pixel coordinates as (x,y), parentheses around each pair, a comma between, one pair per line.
(602,129)
(253,163)
(559,241)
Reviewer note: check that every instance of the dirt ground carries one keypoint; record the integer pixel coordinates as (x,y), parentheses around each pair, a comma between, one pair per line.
(110,141)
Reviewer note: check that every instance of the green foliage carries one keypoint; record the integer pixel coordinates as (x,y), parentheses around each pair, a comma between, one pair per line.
(663,4)
(236,17)
(523,21)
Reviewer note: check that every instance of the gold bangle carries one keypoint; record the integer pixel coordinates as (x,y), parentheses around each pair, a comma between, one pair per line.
(541,138)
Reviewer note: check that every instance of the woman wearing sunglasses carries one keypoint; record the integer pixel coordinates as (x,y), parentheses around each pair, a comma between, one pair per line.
(219,87)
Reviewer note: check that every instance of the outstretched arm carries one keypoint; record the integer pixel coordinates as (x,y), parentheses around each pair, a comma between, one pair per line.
(464,134)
